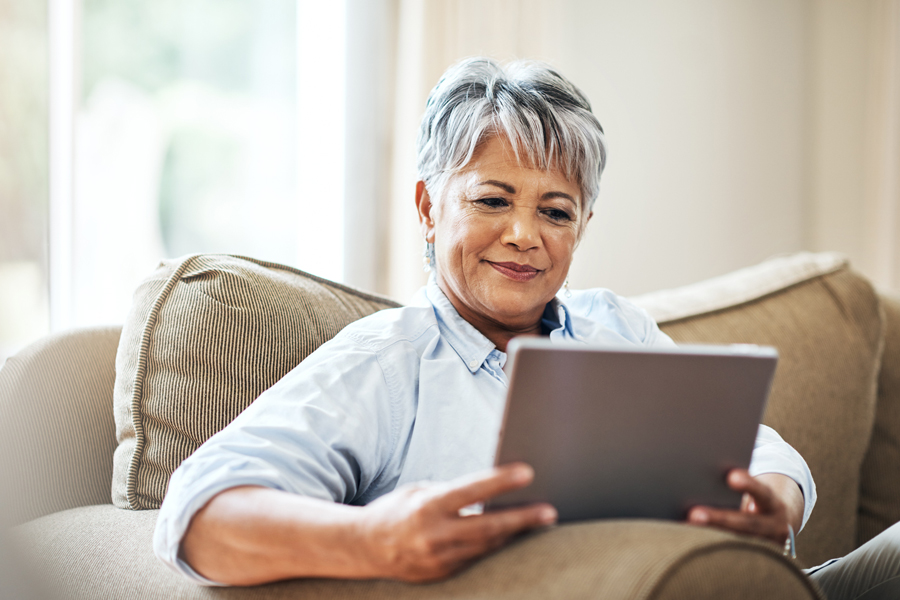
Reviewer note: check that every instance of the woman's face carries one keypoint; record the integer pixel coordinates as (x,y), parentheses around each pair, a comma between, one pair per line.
(504,235)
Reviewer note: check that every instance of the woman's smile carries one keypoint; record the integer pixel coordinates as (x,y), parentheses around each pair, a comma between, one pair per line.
(515,271)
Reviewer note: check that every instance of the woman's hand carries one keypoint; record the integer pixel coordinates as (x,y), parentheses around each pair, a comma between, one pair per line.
(771,502)
(415,533)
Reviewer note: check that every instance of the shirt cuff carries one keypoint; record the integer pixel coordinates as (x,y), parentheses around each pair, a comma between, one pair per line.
(772,454)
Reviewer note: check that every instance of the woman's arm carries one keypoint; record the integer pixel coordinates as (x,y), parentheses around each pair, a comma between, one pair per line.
(251,535)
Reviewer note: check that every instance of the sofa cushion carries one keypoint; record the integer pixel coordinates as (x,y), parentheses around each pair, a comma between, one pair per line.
(205,336)
(879,501)
(57,434)
(106,552)
(825,321)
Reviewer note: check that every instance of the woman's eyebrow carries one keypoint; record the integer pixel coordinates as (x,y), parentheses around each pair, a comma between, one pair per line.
(511,190)
(503,186)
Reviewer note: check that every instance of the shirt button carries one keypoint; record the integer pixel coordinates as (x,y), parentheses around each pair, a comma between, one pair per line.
(473,364)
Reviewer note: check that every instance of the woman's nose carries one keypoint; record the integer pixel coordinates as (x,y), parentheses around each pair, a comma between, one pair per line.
(521,231)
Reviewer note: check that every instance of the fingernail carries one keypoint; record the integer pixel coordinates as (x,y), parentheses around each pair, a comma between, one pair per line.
(548,516)
(699,516)
(523,473)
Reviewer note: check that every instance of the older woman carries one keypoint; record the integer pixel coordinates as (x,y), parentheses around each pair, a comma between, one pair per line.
(358,463)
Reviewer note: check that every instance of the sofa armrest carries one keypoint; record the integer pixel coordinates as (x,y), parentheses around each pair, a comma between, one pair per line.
(103,551)
(57,434)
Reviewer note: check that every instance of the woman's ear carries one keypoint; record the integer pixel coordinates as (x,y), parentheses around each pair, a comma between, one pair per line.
(425,208)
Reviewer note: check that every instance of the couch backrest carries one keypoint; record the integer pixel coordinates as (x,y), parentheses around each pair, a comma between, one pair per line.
(825,321)
(57,434)
(879,502)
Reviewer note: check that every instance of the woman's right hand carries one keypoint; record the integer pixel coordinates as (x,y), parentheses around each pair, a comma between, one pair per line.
(416,533)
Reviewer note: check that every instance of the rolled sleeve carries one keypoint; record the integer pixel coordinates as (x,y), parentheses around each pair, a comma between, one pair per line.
(318,432)
(771,454)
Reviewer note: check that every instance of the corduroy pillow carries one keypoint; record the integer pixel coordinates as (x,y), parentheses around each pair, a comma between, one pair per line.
(825,321)
(206,335)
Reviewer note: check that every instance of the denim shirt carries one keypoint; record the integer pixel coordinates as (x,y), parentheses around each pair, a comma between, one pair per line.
(404,395)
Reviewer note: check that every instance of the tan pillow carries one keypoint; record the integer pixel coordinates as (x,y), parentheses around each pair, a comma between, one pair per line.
(825,321)
(206,335)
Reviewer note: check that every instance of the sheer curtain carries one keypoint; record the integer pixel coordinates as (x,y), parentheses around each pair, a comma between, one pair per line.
(397,51)
(883,193)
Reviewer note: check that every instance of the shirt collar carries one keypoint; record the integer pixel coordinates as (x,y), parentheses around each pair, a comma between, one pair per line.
(470,344)
(558,321)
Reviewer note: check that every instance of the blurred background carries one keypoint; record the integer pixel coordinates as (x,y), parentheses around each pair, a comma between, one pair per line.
(136,130)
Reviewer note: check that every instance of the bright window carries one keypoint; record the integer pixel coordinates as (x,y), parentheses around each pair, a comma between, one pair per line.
(23,173)
(175,127)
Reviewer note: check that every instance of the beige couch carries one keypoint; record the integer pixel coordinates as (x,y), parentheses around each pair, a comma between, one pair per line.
(836,398)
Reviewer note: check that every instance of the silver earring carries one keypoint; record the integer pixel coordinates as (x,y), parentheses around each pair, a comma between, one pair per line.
(428,257)
(566,287)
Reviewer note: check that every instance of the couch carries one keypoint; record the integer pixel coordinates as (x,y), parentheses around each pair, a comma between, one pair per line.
(835,397)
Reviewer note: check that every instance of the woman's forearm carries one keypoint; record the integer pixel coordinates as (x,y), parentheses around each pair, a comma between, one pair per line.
(250,535)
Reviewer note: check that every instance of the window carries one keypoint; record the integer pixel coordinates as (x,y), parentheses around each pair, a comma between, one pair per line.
(174,127)
(23,173)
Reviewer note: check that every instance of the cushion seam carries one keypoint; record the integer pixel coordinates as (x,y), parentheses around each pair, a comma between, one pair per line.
(326,282)
(698,553)
(751,300)
(137,395)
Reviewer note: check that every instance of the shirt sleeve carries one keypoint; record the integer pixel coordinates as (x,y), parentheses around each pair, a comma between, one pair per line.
(617,314)
(319,432)
(771,454)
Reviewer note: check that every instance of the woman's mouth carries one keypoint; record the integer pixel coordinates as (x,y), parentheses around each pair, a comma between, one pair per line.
(515,271)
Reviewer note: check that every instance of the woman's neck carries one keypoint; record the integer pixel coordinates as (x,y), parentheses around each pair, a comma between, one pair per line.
(494,330)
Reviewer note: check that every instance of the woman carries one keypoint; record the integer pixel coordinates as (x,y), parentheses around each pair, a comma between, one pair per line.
(358,462)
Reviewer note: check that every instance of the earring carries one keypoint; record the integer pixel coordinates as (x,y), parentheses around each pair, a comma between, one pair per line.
(566,287)
(428,257)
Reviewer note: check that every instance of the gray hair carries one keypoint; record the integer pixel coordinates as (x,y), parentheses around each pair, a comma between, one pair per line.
(543,115)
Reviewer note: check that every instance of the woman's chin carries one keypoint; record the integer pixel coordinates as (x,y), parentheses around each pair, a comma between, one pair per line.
(517,312)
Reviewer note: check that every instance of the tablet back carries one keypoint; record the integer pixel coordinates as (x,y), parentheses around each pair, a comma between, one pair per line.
(631,432)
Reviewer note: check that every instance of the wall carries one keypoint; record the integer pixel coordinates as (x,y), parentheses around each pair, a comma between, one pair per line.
(703,106)
(853,149)
(738,130)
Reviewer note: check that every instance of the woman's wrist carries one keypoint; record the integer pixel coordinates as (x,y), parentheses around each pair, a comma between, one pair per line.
(790,494)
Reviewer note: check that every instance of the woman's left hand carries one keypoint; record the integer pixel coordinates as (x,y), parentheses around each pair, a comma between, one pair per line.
(771,502)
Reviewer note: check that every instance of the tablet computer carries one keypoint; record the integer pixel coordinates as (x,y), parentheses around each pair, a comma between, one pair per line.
(631,432)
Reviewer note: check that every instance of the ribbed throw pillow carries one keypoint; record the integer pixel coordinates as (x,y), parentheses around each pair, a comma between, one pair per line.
(206,335)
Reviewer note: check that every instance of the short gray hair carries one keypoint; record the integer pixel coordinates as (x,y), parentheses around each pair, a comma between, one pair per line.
(543,115)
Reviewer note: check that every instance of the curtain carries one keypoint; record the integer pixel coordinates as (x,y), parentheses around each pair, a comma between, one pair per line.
(398,51)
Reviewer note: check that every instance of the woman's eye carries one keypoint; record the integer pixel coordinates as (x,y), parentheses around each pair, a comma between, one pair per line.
(558,215)
(493,202)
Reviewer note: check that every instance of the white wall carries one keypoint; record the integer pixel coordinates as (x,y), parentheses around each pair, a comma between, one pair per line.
(703,105)
(853,150)
(738,129)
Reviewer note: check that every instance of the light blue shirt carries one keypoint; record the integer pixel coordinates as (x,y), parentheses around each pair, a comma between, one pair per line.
(404,395)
